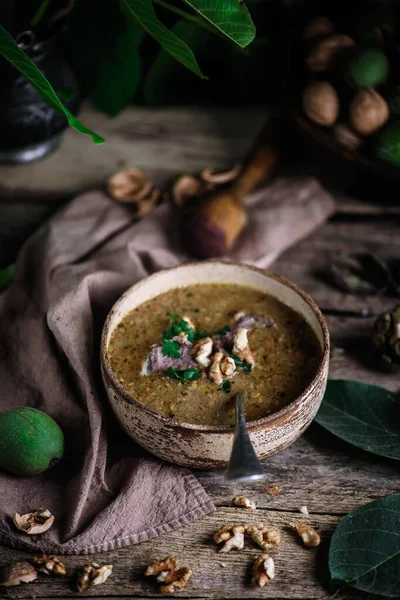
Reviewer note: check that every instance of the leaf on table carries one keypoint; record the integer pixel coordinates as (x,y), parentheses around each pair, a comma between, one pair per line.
(6,276)
(121,70)
(229,16)
(366,416)
(142,11)
(365,548)
(10,50)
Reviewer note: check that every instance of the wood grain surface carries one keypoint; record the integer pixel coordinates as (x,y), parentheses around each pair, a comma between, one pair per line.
(327,475)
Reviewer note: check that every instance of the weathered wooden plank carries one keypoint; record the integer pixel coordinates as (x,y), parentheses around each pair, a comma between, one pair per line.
(300,572)
(164,140)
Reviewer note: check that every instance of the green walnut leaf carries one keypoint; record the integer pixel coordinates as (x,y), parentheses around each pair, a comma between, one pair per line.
(142,11)
(229,16)
(366,416)
(120,74)
(365,548)
(10,50)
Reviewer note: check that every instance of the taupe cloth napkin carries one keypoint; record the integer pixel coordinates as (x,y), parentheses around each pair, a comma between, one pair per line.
(107,492)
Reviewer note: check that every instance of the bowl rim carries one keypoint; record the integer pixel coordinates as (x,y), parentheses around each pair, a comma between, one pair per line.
(251,425)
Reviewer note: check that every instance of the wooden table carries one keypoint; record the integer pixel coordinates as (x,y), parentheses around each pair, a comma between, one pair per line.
(328,476)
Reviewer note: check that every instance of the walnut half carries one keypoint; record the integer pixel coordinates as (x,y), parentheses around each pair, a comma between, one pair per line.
(241,347)
(49,565)
(265,537)
(232,535)
(202,351)
(310,537)
(20,572)
(92,574)
(166,571)
(263,570)
(244,502)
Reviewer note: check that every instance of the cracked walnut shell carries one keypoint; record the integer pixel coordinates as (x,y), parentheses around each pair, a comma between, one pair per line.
(49,565)
(310,537)
(265,537)
(35,522)
(20,572)
(263,570)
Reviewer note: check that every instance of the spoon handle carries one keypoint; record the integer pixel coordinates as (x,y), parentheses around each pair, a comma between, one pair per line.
(243,464)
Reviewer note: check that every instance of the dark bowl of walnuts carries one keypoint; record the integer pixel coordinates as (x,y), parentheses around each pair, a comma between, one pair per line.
(343,90)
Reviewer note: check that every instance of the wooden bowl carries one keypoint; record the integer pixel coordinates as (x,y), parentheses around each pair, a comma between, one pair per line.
(209,446)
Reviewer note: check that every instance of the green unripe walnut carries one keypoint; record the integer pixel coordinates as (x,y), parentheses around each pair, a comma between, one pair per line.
(368,69)
(30,441)
(388,144)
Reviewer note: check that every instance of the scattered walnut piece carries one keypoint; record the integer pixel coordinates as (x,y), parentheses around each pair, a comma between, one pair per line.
(228,367)
(309,536)
(274,490)
(20,572)
(214,372)
(242,501)
(133,187)
(221,177)
(263,570)
(167,573)
(92,574)
(303,510)
(265,537)
(187,188)
(241,347)
(232,535)
(49,565)
(202,351)
(176,580)
(35,522)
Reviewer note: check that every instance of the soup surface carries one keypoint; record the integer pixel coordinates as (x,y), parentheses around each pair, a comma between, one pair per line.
(284,349)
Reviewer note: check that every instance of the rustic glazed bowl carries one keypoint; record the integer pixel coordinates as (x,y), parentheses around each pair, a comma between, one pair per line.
(209,446)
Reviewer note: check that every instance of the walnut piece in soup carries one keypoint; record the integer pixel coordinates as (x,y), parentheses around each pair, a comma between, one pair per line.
(187,351)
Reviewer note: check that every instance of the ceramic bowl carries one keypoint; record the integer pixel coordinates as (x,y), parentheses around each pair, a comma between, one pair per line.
(209,446)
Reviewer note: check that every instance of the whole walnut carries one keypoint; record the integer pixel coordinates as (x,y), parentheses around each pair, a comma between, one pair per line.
(319,26)
(321,103)
(368,112)
(325,53)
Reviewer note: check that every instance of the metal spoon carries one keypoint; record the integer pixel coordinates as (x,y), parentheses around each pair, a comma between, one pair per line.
(243,464)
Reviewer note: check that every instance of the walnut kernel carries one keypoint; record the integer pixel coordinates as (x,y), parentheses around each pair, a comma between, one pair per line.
(274,490)
(202,351)
(310,537)
(241,347)
(214,372)
(265,537)
(167,573)
(243,501)
(232,535)
(368,112)
(92,574)
(263,570)
(49,565)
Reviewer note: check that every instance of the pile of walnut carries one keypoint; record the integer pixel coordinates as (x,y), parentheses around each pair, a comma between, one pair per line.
(332,97)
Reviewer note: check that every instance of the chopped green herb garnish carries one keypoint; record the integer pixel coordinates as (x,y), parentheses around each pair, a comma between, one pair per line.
(237,360)
(247,369)
(200,334)
(225,329)
(184,375)
(178,326)
(170,348)
(226,386)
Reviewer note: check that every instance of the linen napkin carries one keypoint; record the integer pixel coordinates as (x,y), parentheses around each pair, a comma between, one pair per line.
(107,492)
